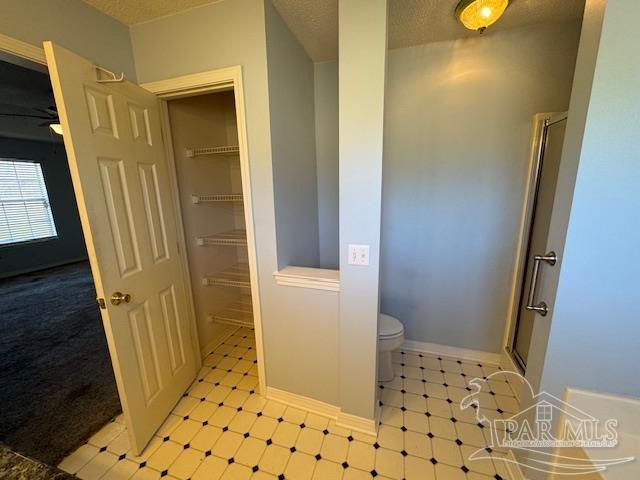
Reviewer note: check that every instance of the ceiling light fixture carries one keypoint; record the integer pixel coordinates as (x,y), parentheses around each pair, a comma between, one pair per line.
(479,14)
(56,127)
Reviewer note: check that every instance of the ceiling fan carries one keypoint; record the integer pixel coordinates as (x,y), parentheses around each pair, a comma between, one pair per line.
(49,115)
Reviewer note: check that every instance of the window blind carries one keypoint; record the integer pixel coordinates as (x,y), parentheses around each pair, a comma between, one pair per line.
(25,213)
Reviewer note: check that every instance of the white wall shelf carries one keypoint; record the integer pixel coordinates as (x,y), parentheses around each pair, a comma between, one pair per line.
(223,150)
(305,277)
(234,238)
(234,276)
(239,313)
(219,197)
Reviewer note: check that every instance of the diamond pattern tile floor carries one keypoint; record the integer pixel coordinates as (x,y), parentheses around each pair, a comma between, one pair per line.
(223,429)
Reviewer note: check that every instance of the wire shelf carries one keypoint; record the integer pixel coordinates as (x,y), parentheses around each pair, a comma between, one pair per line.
(223,150)
(235,276)
(237,238)
(239,313)
(219,197)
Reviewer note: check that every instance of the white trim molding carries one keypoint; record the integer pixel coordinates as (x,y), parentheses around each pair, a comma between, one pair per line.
(357,424)
(229,78)
(22,49)
(455,352)
(305,277)
(195,83)
(345,420)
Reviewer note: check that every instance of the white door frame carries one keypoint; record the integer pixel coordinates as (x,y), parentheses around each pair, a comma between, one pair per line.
(22,50)
(229,78)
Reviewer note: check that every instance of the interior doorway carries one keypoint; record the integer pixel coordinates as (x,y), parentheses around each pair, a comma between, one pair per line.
(549,153)
(53,353)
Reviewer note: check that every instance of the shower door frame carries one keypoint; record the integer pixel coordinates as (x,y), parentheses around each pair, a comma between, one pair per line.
(541,122)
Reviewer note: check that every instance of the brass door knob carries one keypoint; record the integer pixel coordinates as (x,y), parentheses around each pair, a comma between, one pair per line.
(118,297)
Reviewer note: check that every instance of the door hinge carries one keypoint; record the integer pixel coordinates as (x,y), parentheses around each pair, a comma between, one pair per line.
(101,303)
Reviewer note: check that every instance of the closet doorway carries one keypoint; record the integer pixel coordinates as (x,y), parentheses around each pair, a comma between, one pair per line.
(206,146)
(532,293)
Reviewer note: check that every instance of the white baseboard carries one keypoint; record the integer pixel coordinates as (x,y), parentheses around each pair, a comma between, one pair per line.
(213,344)
(352,422)
(358,424)
(447,351)
(305,403)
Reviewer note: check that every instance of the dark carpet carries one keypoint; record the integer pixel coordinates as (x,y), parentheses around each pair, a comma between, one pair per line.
(56,381)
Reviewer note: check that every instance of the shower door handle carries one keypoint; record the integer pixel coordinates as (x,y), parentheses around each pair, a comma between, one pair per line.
(542,308)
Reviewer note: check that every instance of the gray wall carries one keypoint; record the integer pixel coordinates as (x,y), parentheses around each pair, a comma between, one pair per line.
(595,332)
(72,24)
(457,137)
(232,32)
(326,108)
(291,111)
(69,245)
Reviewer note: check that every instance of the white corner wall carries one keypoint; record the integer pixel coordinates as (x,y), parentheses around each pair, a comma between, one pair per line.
(362,64)
(595,328)
(457,136)
(293,144)
(326,110)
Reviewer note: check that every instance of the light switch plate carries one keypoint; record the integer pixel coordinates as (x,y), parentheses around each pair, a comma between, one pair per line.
(358,255)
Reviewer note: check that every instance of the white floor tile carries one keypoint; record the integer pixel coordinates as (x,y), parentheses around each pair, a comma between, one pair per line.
(446,451)
(164,456)
(229,431)
(300,466)
(122,470)
(309,441)
(417,444)
(275,459)
(235,471)
(202,411)
(286,434)
(97,466)
(228,444)
(250,452)
(361,456)
(263,427)
(186,464)
(106,434)
(211,468)
(416,468)
(326,470)
(390,463)
(390,437)
(334,448)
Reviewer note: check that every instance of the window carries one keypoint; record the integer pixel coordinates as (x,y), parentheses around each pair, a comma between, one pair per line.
(25,213)
(545,412)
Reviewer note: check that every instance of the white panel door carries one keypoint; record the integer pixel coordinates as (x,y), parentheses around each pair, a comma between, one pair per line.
(113,140)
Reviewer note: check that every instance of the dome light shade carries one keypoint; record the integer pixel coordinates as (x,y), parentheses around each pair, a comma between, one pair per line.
(479,14)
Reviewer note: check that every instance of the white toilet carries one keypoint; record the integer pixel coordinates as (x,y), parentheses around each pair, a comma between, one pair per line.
(390,337)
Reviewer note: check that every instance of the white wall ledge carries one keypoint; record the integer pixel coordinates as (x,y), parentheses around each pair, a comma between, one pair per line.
(306,277)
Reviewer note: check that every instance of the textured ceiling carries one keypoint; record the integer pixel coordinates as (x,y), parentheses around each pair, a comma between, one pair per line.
(412,22)
(131,12)
(315,22)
